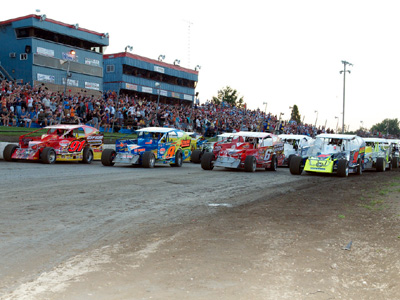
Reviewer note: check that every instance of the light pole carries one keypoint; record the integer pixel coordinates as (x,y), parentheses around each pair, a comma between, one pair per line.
(68,74)
(337,123)
(157,84)
(191,111)
(345,63)
(362,124)
(316,118)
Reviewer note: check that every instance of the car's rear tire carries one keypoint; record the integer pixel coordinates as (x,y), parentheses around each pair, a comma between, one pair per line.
(274,163)
(380,164)
(178,159)
(148,159)
(289,159)
(87,155)
(207,161)
(9,151)
(343,168)
(107,157)
(395,162)
(359,167)
(195,157)
(295,166)
(250,164)
(48,155)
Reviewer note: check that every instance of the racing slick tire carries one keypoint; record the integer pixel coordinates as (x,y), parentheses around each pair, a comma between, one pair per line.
(178,159)
(195,157)
(107,157)
(274,163)
(8,152)
(380,164)
(87,155)
(343,168)
(395,162)
(359,167)
(48,155)
(250,164)
(207,161)
(289,159)
(295,166)
(148,159)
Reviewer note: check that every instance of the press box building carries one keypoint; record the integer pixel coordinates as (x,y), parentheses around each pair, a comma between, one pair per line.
(36,49)
(132,74)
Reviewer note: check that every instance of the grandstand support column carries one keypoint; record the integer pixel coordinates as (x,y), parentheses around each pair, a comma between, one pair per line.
(345,63)
(191,111)
(157,84)
(68,74)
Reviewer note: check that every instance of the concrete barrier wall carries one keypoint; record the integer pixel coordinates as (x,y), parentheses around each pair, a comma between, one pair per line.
(3,145)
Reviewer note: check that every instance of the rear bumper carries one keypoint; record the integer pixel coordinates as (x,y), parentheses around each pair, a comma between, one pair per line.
(127,158)
(227,162)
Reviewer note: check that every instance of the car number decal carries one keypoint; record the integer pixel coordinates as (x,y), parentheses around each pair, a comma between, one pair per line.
(76,146)
(170,152)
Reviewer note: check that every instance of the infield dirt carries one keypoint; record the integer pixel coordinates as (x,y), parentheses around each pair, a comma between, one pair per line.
(287,247)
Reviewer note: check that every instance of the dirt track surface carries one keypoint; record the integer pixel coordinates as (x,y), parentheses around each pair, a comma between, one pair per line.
(72,231)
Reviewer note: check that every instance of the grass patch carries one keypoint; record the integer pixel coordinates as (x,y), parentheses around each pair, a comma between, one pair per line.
(341,216)
(374,205)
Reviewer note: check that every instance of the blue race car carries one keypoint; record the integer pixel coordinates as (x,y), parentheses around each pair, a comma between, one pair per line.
(154,144)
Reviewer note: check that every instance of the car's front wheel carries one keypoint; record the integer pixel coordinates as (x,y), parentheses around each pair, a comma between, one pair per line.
(343,168)
(178,159)
(380,164)
(107,157)
(87,155)
(48,155)
(274,163)
(250,164)
(207,161)
(359,166)
(295,166)
(195,157)
(395,162)
(9,151)
(148,159)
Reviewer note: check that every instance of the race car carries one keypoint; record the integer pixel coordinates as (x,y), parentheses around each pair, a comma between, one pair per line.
(214,147)
(295,144)
(249,151)
(153,145)
(332,153)
(197,144)
(395,152)
(58,143)
(378,154)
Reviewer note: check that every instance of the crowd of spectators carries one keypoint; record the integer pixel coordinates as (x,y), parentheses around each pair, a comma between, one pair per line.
(25,105)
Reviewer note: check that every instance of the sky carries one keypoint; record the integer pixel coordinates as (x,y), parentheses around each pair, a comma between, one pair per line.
(283,53)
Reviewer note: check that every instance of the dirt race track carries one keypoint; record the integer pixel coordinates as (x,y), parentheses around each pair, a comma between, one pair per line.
(74,231)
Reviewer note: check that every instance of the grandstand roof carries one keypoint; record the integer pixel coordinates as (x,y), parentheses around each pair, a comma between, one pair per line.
(149,60)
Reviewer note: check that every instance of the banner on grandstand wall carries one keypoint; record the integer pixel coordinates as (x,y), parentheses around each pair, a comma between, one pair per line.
(71,82)
(92,62)
(146,89)
(45,52)
(175,95)
(158,69)
(69,56)
(187,97)
(132,87)
(163,93)
(46,78)
(92,86)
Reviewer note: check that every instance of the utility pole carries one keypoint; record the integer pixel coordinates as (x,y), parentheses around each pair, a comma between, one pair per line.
(345,63)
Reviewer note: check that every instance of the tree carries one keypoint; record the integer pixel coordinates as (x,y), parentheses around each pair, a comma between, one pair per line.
(295,115)
(229,96)
(390,126)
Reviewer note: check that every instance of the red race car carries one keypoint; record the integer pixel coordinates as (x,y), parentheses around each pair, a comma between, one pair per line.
(58,142)
(251,150)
